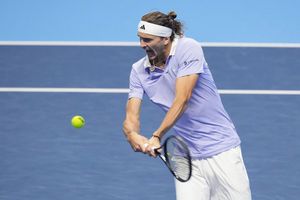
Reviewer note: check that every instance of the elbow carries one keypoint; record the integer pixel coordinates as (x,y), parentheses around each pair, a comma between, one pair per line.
(184,100)
(188,96)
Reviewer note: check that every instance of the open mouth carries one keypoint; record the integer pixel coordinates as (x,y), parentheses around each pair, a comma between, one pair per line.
(151,53)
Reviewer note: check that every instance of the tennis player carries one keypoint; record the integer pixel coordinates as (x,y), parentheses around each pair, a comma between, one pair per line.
(176,77)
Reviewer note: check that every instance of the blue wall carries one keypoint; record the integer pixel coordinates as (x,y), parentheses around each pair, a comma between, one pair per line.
(116,20)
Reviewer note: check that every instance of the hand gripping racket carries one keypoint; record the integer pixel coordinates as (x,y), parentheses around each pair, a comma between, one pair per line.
(176,155)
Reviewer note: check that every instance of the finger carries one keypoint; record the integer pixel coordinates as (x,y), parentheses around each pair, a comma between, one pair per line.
(137,149)
(150,150)
(145,147)
(153,152)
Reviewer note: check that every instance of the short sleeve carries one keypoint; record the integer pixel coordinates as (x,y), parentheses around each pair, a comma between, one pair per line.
(191,60)
(135,86)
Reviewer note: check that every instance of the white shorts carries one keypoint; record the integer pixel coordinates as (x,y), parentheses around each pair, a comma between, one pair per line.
(221,177)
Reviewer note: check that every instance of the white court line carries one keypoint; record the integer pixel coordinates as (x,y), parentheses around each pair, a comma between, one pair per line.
(262,92)
(65,90)
(126,90)
(66,43)
(116,43)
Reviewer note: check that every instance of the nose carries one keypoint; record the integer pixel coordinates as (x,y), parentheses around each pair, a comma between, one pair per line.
(143,44)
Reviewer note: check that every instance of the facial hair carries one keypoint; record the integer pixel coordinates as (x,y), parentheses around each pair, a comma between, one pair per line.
(159,53)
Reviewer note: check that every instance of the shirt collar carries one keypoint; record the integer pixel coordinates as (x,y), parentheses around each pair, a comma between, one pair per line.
(174,45)
(172,52)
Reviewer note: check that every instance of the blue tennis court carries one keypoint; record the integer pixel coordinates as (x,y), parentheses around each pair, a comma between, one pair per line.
(44,157)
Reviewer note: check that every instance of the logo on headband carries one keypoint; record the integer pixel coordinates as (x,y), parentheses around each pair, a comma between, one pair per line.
(143,27)
(154,29)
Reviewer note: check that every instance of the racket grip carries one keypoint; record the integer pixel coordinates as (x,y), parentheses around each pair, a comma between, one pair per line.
(153,149)
(156,150)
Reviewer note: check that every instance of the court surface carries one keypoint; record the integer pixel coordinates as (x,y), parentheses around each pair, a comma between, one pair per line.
(44,158)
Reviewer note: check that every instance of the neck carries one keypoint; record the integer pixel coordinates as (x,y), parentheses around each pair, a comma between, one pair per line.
(168,50)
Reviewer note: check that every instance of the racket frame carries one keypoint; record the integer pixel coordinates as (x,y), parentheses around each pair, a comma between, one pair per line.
(165,158)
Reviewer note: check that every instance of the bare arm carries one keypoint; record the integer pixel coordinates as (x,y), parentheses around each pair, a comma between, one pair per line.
(184,89)
(131,125)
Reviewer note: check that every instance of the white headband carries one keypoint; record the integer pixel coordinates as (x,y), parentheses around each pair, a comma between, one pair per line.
(154,29)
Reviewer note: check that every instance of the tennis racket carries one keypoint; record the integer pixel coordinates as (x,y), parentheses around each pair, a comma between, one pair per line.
(176,155)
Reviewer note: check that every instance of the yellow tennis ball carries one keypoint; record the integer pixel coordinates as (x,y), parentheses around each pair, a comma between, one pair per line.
(78,121)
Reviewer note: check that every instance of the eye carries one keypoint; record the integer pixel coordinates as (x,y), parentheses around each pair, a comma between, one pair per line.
(146,40)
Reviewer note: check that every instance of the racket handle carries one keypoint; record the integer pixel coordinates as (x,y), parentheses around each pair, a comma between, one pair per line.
(163,158)
(153,149)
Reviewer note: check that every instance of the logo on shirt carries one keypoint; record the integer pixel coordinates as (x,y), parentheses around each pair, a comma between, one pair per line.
(143,27)
(190,61)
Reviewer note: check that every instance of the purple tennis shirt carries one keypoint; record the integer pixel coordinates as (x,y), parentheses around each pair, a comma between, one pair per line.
(205,124)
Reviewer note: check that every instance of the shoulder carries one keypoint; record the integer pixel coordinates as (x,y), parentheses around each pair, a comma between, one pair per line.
(187,47)
(186,42)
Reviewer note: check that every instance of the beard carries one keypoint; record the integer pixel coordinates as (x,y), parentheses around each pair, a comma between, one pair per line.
(156,55)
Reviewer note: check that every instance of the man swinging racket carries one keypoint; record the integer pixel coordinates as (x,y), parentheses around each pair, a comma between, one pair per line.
(176,77)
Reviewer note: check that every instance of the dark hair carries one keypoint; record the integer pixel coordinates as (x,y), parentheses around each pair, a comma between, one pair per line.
(168,20)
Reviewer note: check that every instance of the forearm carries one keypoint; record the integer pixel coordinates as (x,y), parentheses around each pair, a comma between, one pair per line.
(133,136)
(184,89)
(130,127)
(176,110)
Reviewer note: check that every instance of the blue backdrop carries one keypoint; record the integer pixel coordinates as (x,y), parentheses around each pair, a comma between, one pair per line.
(116,20)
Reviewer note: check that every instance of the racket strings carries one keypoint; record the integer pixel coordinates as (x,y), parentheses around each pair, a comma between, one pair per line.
(178,159)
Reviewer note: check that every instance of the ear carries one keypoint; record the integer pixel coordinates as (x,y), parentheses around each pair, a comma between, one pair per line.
(167,40)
